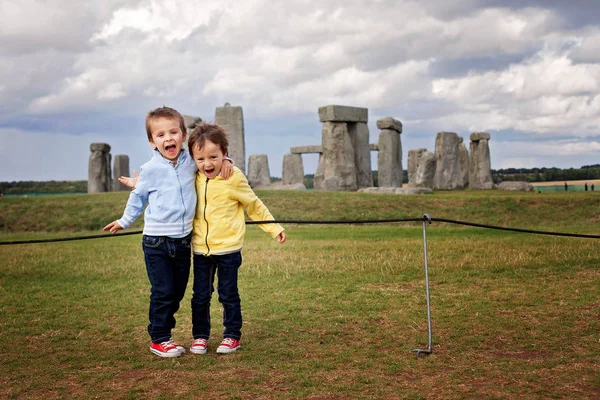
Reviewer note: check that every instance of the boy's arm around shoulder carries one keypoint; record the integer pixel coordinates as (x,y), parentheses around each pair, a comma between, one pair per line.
(256,209)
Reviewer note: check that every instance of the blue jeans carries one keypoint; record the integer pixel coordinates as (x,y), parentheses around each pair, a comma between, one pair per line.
(168,265)
(226,266)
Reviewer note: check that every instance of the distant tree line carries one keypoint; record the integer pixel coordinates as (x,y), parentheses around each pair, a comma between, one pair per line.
(24,187)
(546,174)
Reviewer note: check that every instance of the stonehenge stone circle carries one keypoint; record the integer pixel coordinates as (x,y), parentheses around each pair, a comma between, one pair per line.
(99,173)
(447,169)
(293,169)
(258,170)
(480,172)
(120,168)
(232,119)
(389,160)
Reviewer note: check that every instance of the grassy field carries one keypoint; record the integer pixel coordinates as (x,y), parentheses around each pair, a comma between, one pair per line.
(332,314)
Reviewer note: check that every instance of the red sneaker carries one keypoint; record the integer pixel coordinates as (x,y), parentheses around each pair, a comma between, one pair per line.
(199,346)
(179,347)
(165,349)
(228,345)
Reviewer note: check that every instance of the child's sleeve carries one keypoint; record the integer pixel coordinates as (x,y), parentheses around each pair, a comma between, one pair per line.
(255,208)
(138,198)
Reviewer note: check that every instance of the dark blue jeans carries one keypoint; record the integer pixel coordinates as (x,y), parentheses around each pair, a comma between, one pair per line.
(168,263)
(226,266)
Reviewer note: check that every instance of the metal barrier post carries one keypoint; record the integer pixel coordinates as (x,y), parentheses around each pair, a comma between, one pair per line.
(418,352)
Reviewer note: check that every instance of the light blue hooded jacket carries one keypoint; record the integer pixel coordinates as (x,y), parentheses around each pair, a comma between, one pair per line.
(169,193)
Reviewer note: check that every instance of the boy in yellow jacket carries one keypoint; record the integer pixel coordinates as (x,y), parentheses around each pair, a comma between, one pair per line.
(218,236)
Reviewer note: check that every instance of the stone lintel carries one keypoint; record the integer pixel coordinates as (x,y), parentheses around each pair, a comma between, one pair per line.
(103,147)
(333,113)
(306,149)
(374,146)
(477,136)
(389,123)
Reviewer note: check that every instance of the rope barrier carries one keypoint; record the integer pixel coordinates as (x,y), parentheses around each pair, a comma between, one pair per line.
(326,222)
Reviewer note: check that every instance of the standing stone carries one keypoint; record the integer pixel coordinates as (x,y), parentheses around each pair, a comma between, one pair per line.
(293,169)
(120,168)
(232,119)
(339,168)
(359,132)
(413,163)
(319,176)
(480,171)
(99,177)
(425,173)
(389,160)
(447,169)
(190,122)
(258,170)
(463,162)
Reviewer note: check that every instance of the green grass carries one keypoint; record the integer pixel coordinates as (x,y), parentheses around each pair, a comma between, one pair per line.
(332,314)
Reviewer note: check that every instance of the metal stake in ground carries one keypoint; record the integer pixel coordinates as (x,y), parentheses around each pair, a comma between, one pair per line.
(418,352)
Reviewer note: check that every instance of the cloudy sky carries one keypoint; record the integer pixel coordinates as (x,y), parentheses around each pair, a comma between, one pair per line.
(73,73)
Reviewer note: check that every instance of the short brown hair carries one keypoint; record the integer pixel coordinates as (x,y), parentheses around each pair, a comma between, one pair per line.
(211,132)
(168,113)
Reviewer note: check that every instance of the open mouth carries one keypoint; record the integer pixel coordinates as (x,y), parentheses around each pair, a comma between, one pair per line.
(209,171)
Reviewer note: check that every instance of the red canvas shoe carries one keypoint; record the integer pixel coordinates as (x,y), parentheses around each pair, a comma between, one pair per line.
(179,347)
(165,349)
(199,346)
(228,345)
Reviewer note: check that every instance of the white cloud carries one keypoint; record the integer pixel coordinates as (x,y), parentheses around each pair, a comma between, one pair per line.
(553,153)
(547,93)
(112,91)
(435,65)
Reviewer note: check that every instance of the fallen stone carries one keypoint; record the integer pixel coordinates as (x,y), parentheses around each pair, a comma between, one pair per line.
(515,185)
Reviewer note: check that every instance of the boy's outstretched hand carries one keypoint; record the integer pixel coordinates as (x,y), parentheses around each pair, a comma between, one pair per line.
(129,181)
(281,237)
(113,227)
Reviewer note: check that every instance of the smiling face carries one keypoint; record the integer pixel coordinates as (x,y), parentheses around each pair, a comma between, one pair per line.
(208,159)
(167,137)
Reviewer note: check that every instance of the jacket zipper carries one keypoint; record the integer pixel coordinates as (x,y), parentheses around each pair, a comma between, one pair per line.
(182,200)
(205,204)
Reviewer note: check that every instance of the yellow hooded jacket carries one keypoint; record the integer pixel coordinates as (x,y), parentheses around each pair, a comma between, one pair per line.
(219,223)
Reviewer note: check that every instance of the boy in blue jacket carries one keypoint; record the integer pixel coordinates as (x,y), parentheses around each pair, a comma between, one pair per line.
(166,186)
